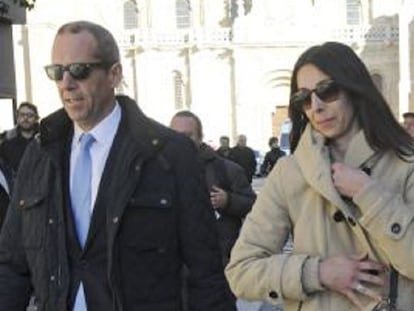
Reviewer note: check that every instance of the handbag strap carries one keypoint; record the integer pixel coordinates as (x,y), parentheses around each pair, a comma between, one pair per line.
(393,294)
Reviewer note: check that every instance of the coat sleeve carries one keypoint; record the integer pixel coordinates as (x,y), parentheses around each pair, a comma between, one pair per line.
(240,195)
(387,207)
(15,288)
(258,269)
(207,287)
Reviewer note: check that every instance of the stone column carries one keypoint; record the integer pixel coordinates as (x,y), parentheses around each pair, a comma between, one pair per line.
(406,14)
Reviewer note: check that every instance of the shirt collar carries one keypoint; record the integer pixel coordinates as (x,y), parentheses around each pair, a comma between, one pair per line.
(105,129)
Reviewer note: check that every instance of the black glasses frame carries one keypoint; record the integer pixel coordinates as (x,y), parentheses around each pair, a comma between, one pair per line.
(78,71)
(326,90)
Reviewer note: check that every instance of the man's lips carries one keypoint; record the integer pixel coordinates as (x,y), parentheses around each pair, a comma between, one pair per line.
(73,100)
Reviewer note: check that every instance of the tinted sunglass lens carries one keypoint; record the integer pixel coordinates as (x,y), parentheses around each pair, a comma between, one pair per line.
(79,71)
(302,100)
(54,72)
(328,92)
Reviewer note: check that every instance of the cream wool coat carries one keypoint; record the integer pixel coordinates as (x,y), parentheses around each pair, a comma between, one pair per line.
(299,197)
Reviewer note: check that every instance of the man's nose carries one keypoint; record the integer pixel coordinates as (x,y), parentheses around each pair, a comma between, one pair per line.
(67,81)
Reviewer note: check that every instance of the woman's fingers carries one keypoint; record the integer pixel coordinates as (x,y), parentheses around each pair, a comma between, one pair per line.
(370,278)
(351,295)
(363,290)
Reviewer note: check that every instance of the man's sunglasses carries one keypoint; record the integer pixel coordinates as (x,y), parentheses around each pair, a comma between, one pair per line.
(326,90)
(78,71)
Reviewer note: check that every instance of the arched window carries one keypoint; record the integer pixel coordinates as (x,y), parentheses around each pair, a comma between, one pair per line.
(183,13)
(130,15)
(353,12)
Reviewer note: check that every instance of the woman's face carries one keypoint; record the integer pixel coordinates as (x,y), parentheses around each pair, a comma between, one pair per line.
(327,108)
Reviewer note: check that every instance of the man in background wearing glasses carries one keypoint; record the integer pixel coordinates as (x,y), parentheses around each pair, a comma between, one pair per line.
(107,206)
(13,142)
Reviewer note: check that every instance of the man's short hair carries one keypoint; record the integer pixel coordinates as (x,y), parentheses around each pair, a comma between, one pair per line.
(30,106)
(273,140)
(107,48)
(189,114)
(408,115)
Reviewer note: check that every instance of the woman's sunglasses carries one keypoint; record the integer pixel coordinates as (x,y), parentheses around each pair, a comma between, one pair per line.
(78,71)
(326,90)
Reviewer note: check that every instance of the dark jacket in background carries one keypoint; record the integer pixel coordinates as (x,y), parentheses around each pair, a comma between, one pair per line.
(245,157)
(151,215)
(270,160)
(230,177)
(223,152)
(12,149)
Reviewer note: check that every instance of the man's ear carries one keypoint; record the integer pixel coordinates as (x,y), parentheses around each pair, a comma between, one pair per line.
(115,74)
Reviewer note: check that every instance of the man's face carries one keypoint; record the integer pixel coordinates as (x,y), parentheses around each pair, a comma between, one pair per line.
(87,101)
(26,118)
(224,142)
(242,140)
(409,125)
(186,126)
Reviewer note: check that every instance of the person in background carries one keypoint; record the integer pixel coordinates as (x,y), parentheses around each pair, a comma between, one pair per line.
(408,122)
(271,156)
(346,193)
(108,205)
(244,156)
(14,141)
(231,195)
(224,149)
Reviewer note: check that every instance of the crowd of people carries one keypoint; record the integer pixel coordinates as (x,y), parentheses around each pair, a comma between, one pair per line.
(103,208)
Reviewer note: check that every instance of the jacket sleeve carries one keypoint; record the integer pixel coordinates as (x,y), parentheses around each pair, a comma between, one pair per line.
(387,207)
(207,286)
(15,288)
(240,195)
(264,167)
(257,256)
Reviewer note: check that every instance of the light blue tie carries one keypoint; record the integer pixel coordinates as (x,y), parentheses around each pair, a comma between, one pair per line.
(80,194)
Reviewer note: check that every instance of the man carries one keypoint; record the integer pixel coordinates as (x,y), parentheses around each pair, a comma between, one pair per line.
(231,194)
(271,157)
(244,156)
(408,122)
(121,244)
(224,149)
(15,141)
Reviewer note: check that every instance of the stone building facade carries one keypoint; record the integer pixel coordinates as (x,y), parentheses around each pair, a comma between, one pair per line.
(229,61)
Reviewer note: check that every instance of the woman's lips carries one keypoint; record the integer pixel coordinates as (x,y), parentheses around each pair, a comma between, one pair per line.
(325,122)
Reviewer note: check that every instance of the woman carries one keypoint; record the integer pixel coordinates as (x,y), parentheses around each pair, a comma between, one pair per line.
(346,195)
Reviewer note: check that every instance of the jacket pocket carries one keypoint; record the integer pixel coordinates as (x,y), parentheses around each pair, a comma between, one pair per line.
(147,222)
(33,213)
(148,242)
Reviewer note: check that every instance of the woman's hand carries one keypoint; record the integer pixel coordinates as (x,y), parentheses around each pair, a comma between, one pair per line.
(348,180)
(349,275)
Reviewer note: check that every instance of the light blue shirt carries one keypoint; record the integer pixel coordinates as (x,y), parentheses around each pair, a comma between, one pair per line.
(104,134)
(4,183)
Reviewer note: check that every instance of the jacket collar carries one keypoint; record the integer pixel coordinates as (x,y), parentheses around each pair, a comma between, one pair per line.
(141,130)
(207,153)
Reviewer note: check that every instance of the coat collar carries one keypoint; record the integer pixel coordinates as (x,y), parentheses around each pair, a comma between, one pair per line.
(312,155)
(143,132)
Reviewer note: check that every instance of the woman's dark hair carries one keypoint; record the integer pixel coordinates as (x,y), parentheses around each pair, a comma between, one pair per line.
(341,63)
